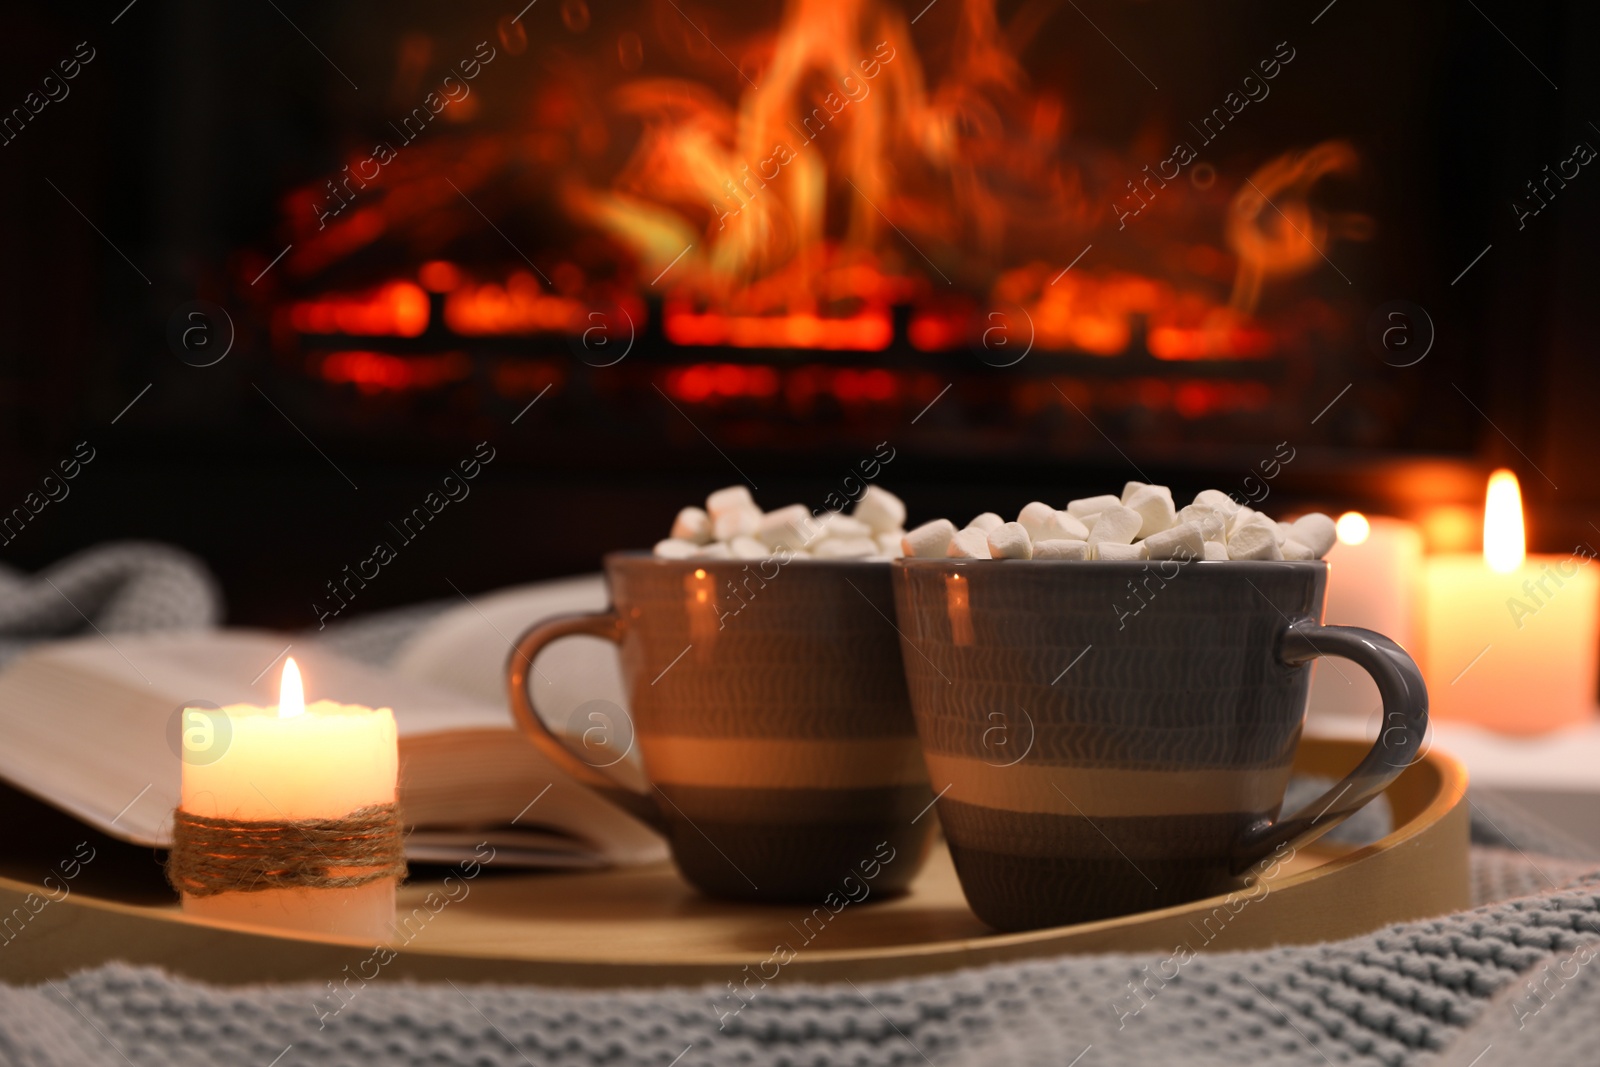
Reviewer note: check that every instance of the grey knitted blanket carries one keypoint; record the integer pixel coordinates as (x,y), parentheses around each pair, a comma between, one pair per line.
(117,588)
(1509,978)
(1507,982)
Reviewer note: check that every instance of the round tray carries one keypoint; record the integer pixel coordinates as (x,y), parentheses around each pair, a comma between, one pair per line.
(645,926)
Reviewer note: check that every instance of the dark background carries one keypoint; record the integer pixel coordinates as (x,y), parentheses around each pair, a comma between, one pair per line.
(180,138)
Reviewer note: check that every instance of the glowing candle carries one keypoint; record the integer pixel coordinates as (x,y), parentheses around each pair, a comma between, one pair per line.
(1510,639)
(293,762)
(1374,571)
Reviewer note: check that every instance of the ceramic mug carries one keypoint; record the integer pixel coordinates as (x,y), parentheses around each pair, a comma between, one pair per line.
(769,708)
(1117,736)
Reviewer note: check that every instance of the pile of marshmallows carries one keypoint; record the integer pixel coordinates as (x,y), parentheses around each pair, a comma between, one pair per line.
(1141,524)
(731,526)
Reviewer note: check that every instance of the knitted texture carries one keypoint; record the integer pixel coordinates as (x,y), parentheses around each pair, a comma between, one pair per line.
(1503,873)
(1395,997)
(1546,1017)
(115,588)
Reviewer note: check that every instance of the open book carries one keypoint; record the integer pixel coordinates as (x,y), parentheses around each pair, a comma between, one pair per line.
(90,725)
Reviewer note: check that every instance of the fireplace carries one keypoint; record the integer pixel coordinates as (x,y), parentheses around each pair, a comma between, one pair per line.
(816,220)
(647,248)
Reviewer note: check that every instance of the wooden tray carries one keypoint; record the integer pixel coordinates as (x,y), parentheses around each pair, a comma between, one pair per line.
(644,926)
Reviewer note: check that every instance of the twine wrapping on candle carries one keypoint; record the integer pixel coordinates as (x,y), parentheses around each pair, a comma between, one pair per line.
(211,856)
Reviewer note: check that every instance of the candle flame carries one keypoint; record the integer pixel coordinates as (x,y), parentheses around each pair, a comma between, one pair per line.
(291,692)
(1352,528)
(1504,543)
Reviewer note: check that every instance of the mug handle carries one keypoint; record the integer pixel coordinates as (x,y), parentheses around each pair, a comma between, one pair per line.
(605,624)
(1405,718)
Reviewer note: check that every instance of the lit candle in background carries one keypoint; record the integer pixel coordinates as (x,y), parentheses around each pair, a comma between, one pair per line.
(1510,639)
(295,762)
(1374,571)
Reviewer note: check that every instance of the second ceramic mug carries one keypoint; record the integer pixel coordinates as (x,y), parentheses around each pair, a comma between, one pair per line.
(769,708)
(1111,737)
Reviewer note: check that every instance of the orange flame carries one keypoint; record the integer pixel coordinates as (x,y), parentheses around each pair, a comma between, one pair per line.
(1271,225)
(844,180)
(842,109)
(843,169)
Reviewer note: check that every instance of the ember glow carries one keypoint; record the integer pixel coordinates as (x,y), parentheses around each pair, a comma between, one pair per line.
(521,306)
(379,372)
(398,309)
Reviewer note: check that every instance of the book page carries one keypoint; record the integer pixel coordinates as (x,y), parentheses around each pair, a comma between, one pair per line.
(92,727)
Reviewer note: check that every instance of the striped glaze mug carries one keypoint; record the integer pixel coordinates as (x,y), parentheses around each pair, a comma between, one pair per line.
(1109,737)
(769,709)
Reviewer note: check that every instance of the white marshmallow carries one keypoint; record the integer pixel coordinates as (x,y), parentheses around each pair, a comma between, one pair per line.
(1217,500)
(792,527)
(715,550)
(673,548)
(1254,540)
(1060,527)
(889,544)
(930,540)
(1033,516)
(1010,540)
(1183,541)
(1244,515)
(881,510)
(692,524)
(846,548)
(1116,525)
(740,522)
(1316,531)
(733,498)
(970,543)
(985,522)
(843,527)
(1090,504)
(1213,524)
(1293,549)
(746,547)
(1142,524)
(1061,549)
(1154,505)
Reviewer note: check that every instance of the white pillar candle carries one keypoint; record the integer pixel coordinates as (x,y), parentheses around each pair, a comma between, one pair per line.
(1374,572)
(1510,639)
(291,762)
